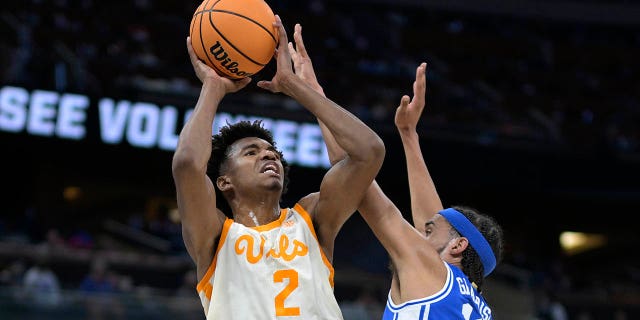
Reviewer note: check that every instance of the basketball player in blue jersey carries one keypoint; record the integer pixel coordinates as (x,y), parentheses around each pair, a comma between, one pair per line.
(438,265)
(254,259)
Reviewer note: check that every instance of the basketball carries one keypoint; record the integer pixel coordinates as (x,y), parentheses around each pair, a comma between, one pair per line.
(234,37)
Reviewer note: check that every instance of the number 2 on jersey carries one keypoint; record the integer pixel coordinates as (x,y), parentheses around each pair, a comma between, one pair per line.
(279,276)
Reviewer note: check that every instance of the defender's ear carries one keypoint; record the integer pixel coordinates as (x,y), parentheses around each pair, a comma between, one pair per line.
(459,245)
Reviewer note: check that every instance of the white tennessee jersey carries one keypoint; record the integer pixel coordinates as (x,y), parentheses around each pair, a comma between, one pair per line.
(273,271)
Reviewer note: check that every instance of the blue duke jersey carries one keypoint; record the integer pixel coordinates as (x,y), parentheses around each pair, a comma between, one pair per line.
(458,299)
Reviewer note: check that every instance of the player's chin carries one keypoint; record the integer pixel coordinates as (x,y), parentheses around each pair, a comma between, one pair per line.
(274,184)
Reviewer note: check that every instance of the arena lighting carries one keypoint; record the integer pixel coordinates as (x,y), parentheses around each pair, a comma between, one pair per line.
(577,242)
(174,215)
(71,193)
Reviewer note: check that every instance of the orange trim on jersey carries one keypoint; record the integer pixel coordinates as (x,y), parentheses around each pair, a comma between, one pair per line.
(203,284)
(307,218)
(272,224)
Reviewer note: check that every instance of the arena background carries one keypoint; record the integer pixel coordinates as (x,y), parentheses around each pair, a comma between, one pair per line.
(532,116)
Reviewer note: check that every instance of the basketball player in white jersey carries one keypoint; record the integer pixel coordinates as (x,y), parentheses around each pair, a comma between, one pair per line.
(254,259)
(438,266)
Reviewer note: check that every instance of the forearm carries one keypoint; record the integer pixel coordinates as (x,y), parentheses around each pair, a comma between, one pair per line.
(336,153)
(425,201)
(385,220)
(194,143)
(372,206)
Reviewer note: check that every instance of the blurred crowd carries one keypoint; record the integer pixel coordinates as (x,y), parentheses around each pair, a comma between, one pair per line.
(491,78)
(116,269)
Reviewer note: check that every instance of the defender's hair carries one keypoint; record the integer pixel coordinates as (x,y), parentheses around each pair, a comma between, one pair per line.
(220,144)
(492,232)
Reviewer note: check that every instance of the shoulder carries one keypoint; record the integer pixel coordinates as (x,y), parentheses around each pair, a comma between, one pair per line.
(310,203)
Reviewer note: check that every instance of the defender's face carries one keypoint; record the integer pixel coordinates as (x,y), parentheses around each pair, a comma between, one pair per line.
(255,162)
(438,233)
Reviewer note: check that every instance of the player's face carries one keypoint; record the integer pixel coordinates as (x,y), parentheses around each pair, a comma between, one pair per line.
(255,162)
(438,233)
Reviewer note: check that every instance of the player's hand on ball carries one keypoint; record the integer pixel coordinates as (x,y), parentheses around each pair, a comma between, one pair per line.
(206,73)
(284,72)
(302,62)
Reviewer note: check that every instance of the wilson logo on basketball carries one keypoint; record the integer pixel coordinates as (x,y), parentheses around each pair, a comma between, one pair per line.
(231,66)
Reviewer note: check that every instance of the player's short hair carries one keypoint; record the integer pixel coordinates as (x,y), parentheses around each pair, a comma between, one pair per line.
(220,144)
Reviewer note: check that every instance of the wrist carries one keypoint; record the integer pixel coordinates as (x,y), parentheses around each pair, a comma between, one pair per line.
(407,130)
(212,91)
(289,85)
(318,89)
(213,85)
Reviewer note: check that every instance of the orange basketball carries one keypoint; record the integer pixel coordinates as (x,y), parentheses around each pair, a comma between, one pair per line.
(234,37)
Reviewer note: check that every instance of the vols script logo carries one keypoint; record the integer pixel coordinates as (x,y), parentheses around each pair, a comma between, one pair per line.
(231,66)
(284,249)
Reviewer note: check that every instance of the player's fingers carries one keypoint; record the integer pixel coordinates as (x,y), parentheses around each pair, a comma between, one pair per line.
(418,97)
(404,102)
(420,85)
(282,33)
(283,57)
(242,83)
(265,85)
(421,72)
(292,50)
(294,55)
(192,54)
(297,36)
(421,77)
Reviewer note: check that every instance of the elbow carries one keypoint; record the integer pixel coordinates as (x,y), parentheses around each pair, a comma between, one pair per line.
(379,148)
(375,151)
(186,162)
(371,153)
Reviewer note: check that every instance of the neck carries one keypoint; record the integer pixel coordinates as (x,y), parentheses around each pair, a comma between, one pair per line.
(454,260)
(253,212)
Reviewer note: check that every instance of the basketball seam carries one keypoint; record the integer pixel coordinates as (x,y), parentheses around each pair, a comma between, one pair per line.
(202,40)
(231,44)
(245,17)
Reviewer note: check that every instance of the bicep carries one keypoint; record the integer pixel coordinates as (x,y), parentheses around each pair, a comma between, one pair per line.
(201,220)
